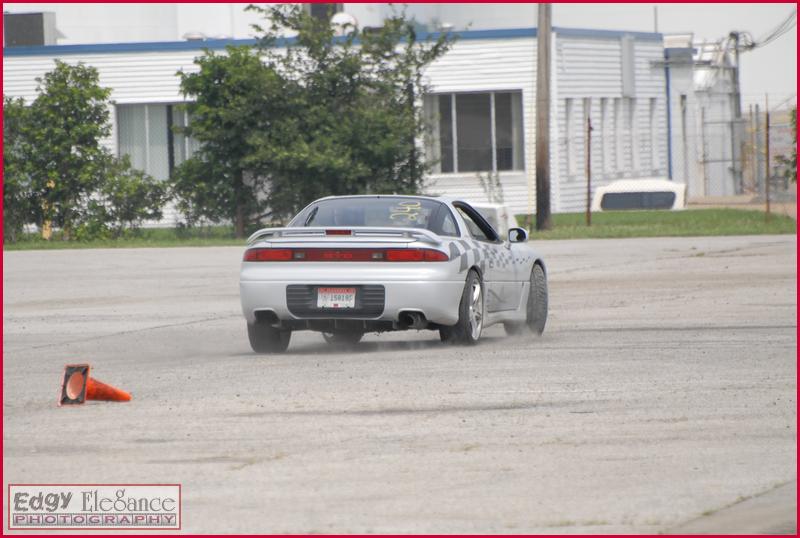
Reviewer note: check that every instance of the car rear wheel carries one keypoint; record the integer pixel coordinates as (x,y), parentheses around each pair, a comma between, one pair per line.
(343,338)
(267,339)
(470,314)
(536,308)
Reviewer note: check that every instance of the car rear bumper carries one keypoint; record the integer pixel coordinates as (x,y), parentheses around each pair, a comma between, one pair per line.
(438,301)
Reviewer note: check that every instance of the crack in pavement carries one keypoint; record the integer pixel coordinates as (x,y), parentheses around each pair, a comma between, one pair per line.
(132,331)
(773,511)
(521,406)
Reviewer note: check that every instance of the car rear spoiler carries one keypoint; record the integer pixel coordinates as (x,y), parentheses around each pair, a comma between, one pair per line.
(415,234)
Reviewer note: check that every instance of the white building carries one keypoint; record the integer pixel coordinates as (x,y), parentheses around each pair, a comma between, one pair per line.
(481,107)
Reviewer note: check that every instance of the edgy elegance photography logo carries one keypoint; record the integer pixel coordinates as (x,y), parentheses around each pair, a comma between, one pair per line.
(94,506)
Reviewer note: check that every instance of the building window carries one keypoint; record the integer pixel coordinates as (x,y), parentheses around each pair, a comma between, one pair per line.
(146,136)
(508,131)
(654,161)
(476,132)
(446,131)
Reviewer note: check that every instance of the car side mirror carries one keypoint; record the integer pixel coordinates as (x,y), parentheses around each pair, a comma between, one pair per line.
(517,235)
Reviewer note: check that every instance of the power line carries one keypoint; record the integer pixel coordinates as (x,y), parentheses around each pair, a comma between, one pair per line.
(778,29)
(783,102)
(745,39)
(785,26)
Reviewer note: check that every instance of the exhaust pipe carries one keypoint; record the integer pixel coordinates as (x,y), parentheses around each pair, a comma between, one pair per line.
(268,317)
(413,320)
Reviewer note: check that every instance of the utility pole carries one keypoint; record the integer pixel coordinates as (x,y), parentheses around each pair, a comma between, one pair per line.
(543,42)
(759,155)
(766,155)
(737,113)
(588,171)
(704,148)
(737,98)
(655,19)
(753,148)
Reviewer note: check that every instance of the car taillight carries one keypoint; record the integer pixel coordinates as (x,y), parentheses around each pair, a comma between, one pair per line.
(268,255)
(344,255)
(415,255)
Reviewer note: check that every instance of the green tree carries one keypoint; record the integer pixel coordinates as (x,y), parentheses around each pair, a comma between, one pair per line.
(328,115)
(230,92)
(67,164)
(16,178)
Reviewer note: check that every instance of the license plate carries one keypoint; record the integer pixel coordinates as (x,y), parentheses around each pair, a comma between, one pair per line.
(336,297)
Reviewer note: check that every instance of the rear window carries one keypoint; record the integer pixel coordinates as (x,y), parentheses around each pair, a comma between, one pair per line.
(384,211)
(637,200)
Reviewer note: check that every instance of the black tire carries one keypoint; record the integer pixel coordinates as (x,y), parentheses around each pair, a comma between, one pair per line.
(471,310)
(343,338)
(267,339)
(536,308)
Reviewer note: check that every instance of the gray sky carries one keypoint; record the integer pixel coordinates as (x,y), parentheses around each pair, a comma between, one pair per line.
(770,69)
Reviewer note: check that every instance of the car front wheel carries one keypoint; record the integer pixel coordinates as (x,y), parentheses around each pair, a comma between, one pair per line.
(267,339)
(536,307)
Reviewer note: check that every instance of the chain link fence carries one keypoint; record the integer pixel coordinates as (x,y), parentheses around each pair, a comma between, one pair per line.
(727,160)
(769,140)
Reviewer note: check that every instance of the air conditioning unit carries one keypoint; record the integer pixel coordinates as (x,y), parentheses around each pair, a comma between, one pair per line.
(29,29)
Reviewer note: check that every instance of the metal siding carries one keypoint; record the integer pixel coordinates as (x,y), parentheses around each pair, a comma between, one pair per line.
(485,65)
(133,77)
(593,68)
(589,67)
(110,141)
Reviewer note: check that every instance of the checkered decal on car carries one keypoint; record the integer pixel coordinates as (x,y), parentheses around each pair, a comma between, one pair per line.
(474,253)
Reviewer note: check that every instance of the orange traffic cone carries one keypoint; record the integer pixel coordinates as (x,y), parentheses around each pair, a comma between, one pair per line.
(79,387)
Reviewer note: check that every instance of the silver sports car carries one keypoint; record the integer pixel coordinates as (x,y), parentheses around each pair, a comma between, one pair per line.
(348,265)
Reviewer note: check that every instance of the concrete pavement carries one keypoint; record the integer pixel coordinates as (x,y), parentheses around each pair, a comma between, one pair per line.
(663,388)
